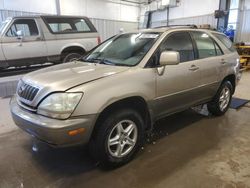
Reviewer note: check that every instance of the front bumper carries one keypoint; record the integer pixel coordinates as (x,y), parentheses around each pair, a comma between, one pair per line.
(52,131)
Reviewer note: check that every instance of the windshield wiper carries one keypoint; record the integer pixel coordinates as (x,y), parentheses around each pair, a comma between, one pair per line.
(100,61)
(104,61)
(92,60)
(107,62)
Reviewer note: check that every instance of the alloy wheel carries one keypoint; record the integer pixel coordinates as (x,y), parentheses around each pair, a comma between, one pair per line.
(122,138)
(224,98)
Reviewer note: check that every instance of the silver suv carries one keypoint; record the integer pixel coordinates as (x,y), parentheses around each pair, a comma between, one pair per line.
(115,94)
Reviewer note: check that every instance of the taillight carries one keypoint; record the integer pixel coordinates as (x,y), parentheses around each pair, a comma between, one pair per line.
(98,40)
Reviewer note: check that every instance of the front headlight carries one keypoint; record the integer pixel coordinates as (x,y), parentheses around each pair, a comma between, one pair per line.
(59,105)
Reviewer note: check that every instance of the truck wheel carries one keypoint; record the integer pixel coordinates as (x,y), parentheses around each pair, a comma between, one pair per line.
(71,57)
(221,102)
(118,138)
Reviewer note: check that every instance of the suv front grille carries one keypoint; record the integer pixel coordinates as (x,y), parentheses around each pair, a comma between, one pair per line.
(27,92)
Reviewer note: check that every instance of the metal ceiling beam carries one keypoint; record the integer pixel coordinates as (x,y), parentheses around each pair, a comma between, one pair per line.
(139,2)
(135,2)
(58,7)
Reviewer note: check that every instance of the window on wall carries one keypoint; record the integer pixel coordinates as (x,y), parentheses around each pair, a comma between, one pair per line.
(233,14)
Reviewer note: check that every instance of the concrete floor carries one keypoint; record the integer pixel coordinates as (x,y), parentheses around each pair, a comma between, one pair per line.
(187,150)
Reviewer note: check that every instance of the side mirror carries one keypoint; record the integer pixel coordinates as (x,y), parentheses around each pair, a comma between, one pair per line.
(169,58)
(19,34)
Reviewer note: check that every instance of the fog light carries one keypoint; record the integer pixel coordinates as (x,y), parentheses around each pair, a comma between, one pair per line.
(76,131)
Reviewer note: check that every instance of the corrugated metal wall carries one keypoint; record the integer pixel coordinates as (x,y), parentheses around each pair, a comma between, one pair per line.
(243,33)
(197,20)
(106,28)
(10,13)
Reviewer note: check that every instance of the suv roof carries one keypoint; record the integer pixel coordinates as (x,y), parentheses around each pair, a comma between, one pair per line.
(178,27)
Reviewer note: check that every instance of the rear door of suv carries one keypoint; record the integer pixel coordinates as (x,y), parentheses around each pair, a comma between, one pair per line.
(210,61)
(230,57)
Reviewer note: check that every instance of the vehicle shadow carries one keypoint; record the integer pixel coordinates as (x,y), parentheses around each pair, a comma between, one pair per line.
(62,161)
(173,123)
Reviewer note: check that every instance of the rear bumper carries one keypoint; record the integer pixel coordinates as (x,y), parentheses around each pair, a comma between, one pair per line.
(52,131)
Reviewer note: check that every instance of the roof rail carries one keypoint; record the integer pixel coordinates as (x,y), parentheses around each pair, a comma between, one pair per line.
(188,25)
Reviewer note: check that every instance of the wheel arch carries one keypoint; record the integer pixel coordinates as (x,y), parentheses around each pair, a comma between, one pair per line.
(72,48)
(232,79)
(137,103)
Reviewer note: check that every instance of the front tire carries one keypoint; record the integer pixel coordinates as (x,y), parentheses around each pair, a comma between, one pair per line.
(71,57)
(118,138)
(221,102)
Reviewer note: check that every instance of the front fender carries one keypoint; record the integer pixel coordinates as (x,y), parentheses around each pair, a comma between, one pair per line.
(101,93)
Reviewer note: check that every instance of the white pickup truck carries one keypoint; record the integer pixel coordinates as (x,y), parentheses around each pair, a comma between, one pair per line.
(38,39)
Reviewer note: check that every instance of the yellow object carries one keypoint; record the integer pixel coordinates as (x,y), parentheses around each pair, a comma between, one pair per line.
(244,52)
(242,60)
(244,47)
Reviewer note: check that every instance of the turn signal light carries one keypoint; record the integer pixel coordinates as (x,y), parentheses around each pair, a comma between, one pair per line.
(98,40)
(76,131)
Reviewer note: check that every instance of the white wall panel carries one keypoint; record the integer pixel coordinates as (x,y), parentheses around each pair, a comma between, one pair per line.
(189,12)
(11,13)
(197,20)
(108,28)
(247,4)
(44,6)
(101,9)
(76,7)
(244,32)
(190,8)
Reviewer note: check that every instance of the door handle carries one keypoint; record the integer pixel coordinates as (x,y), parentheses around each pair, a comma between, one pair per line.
(38,38)
(223,61)
(193,68)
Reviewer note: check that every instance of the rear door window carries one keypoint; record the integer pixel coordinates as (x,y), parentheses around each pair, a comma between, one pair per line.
(62,25)
(205,45)
(218,49)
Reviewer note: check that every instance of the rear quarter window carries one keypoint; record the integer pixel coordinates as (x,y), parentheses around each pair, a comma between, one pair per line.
(227,43)
(61,25)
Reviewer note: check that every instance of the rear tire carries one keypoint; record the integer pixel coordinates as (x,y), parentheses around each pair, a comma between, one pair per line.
(118,138)
(221,102)
(71,57)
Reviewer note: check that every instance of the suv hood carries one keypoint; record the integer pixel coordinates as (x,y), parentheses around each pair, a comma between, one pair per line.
(65,76)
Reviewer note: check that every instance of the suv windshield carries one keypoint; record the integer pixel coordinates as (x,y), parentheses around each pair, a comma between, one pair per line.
(124,50)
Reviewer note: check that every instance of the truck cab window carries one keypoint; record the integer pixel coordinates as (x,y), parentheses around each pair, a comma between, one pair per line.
(67,25)
(27,26)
